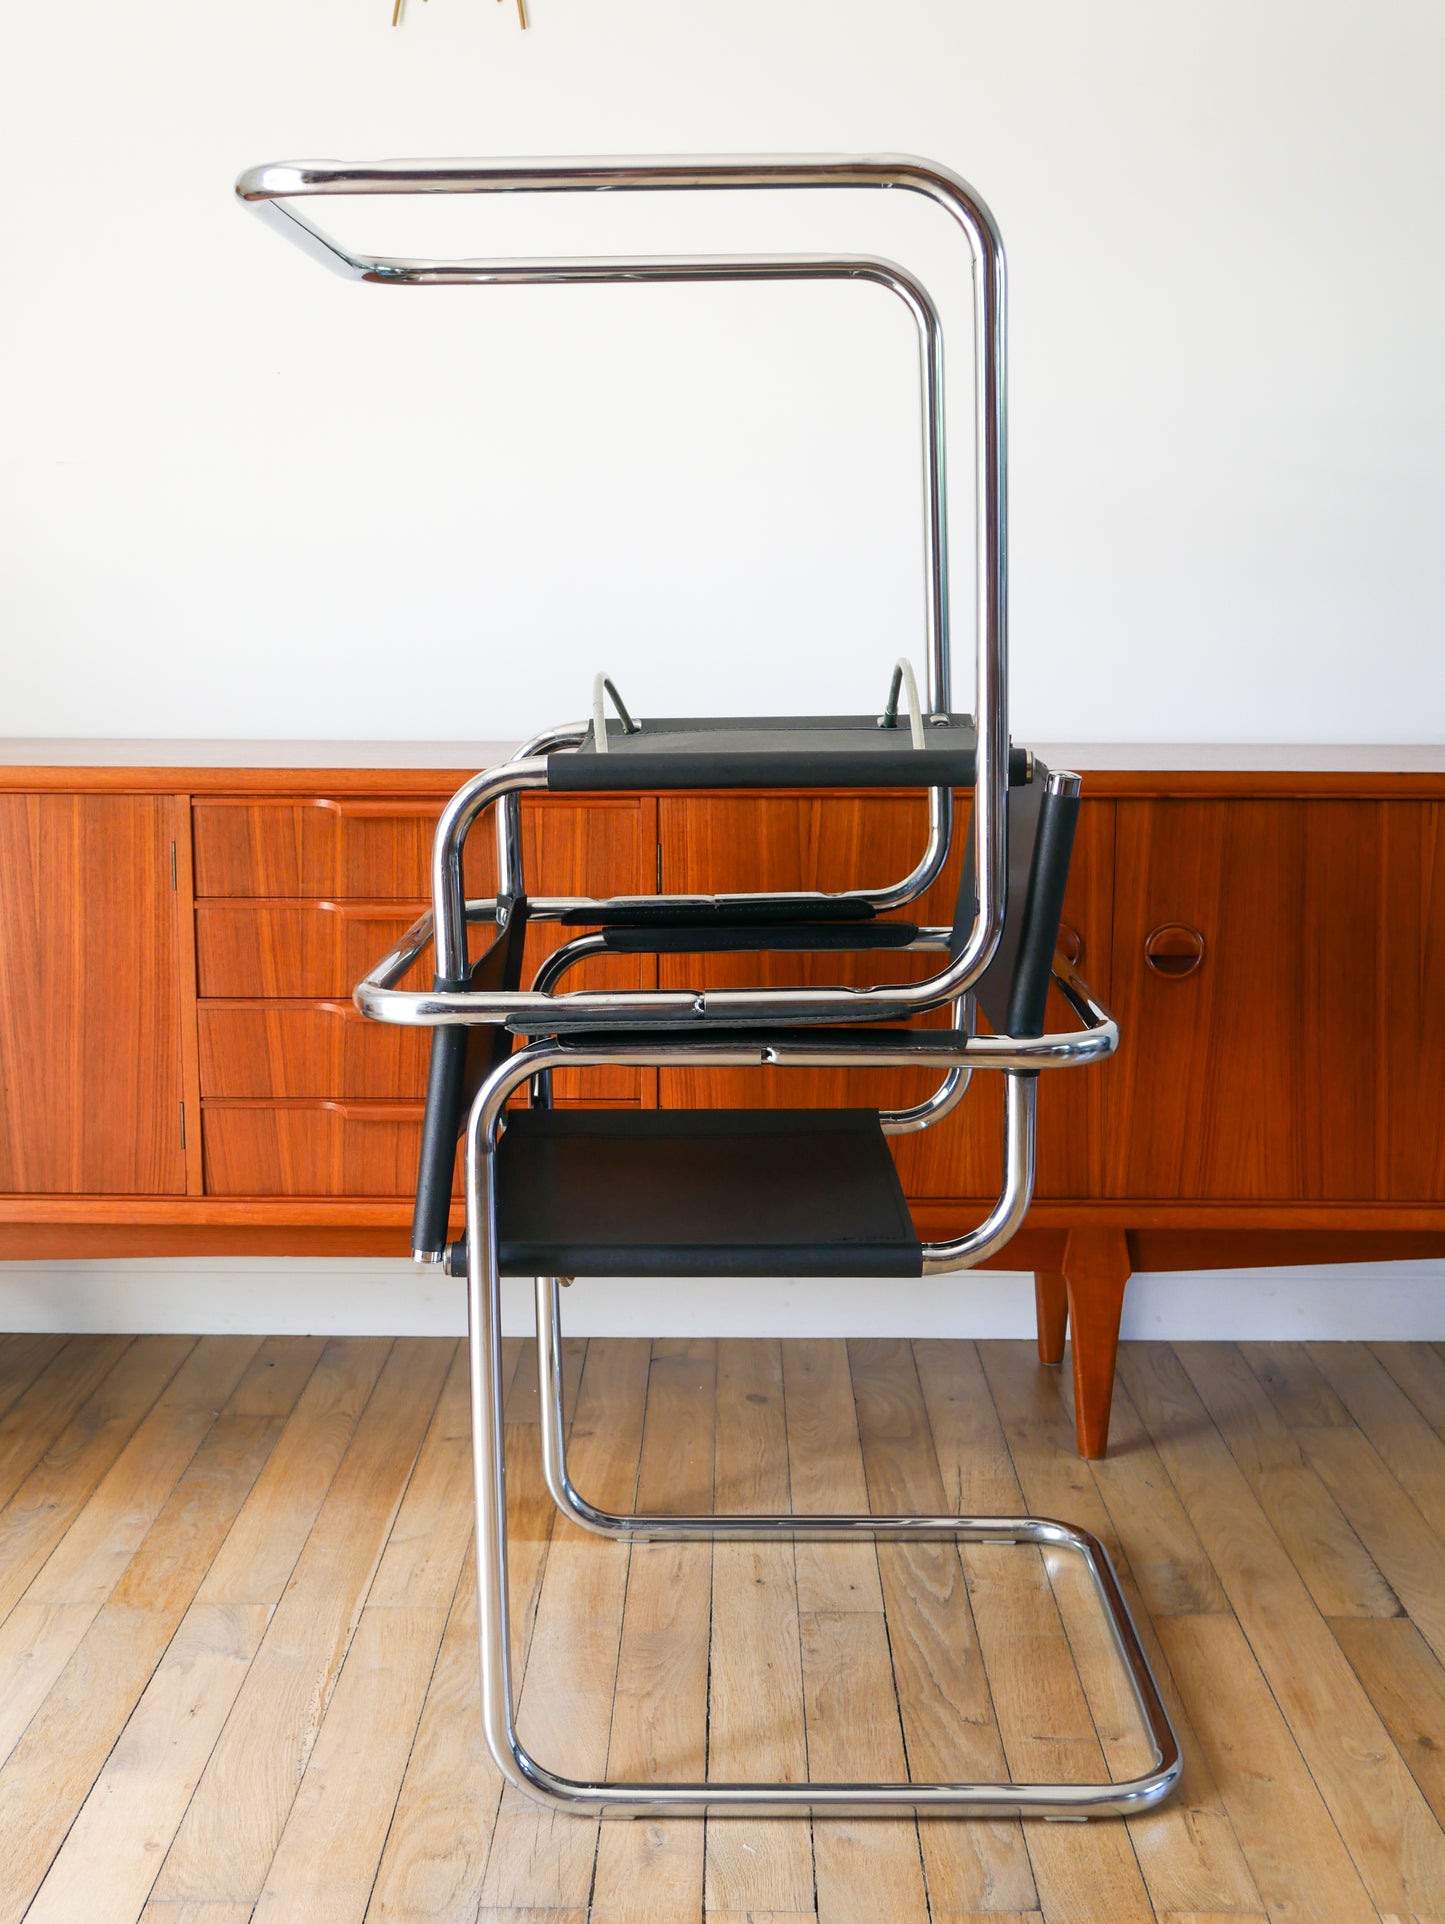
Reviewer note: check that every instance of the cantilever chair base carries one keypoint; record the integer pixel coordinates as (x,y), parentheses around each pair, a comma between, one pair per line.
(1072,1802)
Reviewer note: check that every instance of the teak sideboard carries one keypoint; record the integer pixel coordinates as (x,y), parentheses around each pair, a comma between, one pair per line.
(182,1072)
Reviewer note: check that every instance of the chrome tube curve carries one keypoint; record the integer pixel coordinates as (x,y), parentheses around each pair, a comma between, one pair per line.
(375,995)
(977,1245)
(946,1097)
(497,785)
(448,897)
(843,1527)
(602,1798)
(896,896)
(269,189)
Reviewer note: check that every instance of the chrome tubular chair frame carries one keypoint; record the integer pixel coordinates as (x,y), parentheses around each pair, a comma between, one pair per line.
(895,1122)
(377,996)
(707,1027)
(1063,1801)
(272,190)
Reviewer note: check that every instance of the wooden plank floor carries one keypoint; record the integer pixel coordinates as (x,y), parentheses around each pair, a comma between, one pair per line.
(237,1633)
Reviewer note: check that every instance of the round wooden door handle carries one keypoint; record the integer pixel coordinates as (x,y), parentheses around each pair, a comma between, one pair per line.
(1174,949)
(1070,945)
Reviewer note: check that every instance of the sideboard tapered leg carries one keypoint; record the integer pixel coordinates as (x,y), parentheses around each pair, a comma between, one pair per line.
(1096,1268)
(1051,1304)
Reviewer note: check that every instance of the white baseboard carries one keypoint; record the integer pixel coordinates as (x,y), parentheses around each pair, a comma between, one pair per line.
(326,1296)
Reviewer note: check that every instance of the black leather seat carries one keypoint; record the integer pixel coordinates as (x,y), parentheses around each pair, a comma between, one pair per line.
(701,1192)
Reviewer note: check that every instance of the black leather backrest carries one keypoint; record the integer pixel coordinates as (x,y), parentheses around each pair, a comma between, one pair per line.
(1015,986)
(461,1059)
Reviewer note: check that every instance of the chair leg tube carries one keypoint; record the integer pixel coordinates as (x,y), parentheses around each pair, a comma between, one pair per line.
(484,1322)
(1056,1801)
(698,1798)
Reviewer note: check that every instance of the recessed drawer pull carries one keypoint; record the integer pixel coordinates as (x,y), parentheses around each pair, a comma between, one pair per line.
(1174,949)
(1070,945)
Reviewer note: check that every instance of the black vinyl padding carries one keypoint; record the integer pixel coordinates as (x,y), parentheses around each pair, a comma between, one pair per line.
(460,1059)
(826,751)
(752,1192)
(715,911)
(1013,990)
(809,937)
(881,1040)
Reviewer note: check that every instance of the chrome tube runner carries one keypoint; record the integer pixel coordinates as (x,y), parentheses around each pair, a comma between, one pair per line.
(864,1798)
(271,189)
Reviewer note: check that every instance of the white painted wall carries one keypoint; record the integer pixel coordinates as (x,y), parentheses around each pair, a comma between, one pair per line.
(236,491)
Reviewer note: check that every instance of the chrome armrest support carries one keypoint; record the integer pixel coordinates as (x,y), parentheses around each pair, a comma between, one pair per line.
(1018,1056)
(945,1098)
(1021,1093)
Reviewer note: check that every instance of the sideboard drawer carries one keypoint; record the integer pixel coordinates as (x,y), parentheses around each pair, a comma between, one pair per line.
(296,948)
(360,1149)
(311,1148)
(315,1050)
(286,1051)
(319,847)
(381,850)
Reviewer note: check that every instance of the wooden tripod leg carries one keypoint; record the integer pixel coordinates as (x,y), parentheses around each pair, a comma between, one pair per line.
(1051,1306)
(1096,1268)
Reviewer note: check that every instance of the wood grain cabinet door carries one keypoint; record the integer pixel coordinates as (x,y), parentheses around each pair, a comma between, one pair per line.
(1246,980)
(90,1040)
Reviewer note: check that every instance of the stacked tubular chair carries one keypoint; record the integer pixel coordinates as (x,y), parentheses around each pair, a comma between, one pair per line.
(554,1194)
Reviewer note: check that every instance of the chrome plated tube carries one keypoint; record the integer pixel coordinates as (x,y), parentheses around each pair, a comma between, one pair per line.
(895,1122)
(717,1049)
(896,895)
(376,996)
(270,189)
(448,896)
(509,846)
(949,1093)
(604,1799)
(977,1245)
(845,1528)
